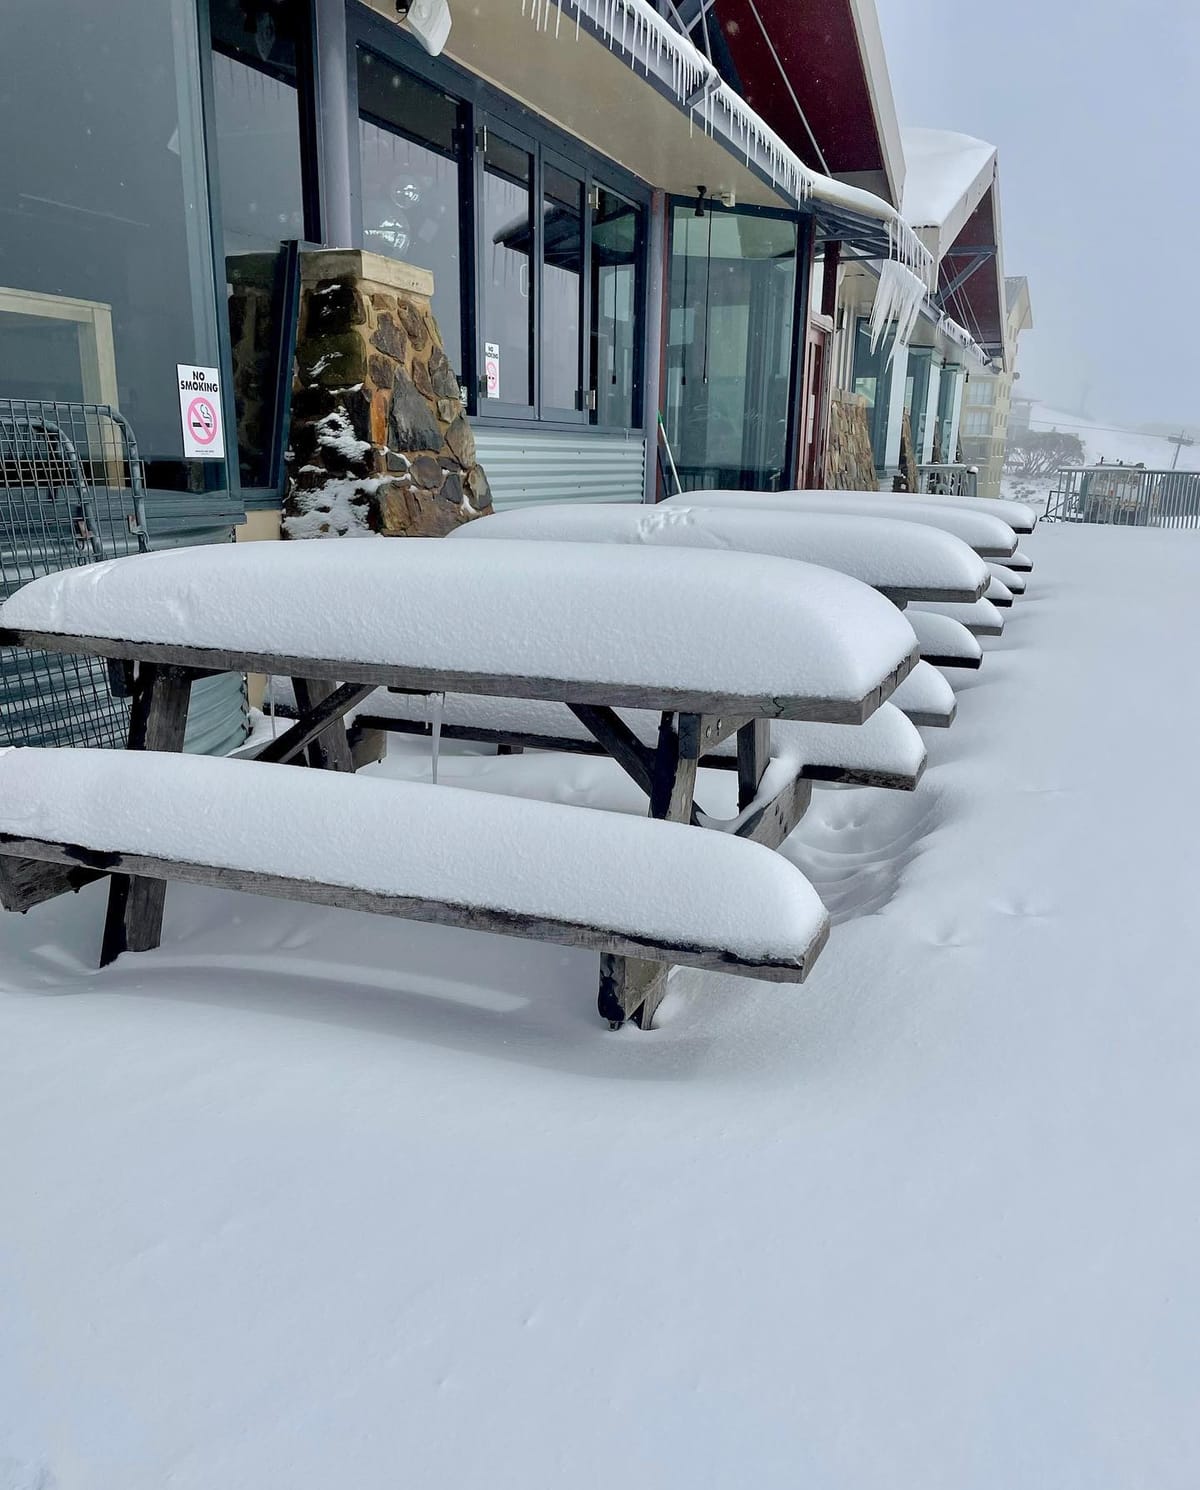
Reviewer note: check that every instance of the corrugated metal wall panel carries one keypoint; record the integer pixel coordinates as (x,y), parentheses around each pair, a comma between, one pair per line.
(553,466)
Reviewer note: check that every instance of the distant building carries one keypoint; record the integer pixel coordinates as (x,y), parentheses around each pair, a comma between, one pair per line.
(987,402)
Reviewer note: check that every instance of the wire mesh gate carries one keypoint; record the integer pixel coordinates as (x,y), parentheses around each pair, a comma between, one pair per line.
(71,493)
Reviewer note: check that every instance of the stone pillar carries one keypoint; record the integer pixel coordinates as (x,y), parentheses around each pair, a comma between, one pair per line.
(379,439)
(849,461)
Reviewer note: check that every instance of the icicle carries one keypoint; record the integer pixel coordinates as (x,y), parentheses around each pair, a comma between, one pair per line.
(435,704)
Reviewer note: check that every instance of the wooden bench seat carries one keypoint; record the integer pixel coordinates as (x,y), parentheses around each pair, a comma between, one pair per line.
(944,641)
(625,886)
(980,619)
(998,593)
(1012,579)
(885,751)
(926,698)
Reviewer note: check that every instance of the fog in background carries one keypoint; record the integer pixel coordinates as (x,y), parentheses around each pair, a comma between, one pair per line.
(1095,111)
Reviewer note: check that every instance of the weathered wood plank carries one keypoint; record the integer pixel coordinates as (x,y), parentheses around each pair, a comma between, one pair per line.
(753,754)
(328,748)
(442,913)
(335,705)
(428,680)
(774,820)
(25,883)
(157,721)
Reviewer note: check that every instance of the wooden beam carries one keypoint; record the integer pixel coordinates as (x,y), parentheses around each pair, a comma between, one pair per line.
(429,680)
(157,721)
(325,708)
(753,754)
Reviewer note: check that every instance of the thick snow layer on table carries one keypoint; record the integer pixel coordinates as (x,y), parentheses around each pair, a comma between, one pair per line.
(1018,516)
(886,742)
(315,1199)
(998,592)
(721,624)
(942,636)
(1020,562)
(632,876)
(981,617)
(1012,579)
(880,552)
(926,695)
(985,534)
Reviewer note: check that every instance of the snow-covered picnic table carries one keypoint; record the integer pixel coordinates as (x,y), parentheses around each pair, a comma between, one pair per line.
(902,560)
(990,536)
(715,644)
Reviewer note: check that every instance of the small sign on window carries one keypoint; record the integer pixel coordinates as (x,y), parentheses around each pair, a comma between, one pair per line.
(491,369)
(200,412)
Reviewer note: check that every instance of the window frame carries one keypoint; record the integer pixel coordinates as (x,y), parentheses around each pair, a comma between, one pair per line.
(481,104)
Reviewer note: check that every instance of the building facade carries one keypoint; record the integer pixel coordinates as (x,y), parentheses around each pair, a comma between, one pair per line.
(651,233)
(988,410)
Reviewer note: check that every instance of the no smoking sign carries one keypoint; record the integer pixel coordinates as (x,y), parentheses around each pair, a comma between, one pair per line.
(200,412)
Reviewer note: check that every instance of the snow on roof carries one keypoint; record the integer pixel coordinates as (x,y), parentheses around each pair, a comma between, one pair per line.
(680,623)
(899,558)
(947,175)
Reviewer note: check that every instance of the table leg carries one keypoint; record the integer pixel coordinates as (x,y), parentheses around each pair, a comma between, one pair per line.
(330,751)
(157,722)
(631,987)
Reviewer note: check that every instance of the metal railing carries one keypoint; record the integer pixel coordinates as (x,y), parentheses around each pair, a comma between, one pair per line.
(1128,496)
(948,480)
(71,493)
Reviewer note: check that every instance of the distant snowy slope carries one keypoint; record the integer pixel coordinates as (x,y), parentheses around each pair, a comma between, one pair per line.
(1106,440)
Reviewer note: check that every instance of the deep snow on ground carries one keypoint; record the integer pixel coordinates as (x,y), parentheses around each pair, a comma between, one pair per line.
(311,1199)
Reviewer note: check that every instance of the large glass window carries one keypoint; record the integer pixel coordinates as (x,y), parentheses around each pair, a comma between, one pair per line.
(873,383)
(409,147)
(729,350)
(105,267)
(616,294)
(916,395)
(562,289)
(946,391)
(257,69)
(536,264)
(506,215)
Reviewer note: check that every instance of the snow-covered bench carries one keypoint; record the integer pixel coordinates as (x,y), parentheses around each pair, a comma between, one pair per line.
(716,644)
(989,536)
(1019,562)
(981,619)
(944,642)
(926,698)
(998,593)
(457,858)
(1013,579)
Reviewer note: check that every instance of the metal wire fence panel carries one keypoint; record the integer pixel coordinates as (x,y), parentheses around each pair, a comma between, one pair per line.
(1127,496)
(948,480)
(71,493)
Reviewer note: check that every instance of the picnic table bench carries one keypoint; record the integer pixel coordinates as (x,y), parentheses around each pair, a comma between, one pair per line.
(715,645)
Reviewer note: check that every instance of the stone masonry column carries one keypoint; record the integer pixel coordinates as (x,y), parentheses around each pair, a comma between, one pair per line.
(379,439)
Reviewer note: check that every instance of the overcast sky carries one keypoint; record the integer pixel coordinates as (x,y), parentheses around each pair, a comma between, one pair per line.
(1095,110)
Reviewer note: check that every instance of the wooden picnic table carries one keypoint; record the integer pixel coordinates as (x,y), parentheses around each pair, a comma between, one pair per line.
(716,644)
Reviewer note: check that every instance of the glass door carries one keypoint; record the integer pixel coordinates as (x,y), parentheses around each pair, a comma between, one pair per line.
(508,261)
(564,270)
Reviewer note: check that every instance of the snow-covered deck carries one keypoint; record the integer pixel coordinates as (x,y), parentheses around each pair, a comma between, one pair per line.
(291,1202)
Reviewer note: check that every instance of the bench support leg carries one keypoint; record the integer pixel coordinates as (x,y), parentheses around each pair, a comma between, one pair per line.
(157,722)
(330,751)
(630,987)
